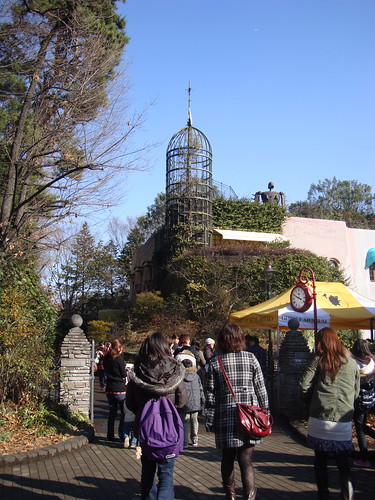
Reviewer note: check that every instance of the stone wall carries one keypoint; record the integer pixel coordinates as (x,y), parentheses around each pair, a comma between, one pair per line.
(75,367)
(293,356)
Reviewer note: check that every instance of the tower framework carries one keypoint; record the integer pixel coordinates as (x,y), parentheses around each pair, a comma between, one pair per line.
(189,184)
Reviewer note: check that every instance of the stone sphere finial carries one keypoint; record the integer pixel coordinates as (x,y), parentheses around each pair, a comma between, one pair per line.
(293,324)
(76,320)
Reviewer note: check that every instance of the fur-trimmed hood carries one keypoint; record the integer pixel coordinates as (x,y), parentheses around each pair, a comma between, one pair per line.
(161,379)
(366,366)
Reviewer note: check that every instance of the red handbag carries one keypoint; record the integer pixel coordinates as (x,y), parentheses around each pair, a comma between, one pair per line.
(251,421)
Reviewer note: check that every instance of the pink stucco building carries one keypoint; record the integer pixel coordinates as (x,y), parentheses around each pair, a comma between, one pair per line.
(343,246)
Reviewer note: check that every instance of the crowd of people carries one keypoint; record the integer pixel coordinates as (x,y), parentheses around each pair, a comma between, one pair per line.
(337,387)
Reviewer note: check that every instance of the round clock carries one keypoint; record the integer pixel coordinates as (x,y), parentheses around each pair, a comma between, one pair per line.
(301,298)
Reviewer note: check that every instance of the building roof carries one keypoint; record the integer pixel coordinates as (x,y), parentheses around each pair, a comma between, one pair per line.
(229,234)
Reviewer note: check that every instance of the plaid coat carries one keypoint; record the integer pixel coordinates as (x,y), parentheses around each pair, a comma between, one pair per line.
(246,377)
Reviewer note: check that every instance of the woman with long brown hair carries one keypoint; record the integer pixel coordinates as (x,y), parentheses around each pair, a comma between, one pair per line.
(245,375)
(114,366)
(332,377)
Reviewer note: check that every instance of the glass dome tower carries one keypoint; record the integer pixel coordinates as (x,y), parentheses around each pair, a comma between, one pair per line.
(189,184)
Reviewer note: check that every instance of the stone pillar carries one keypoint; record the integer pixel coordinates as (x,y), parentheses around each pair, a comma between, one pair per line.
(75,369)
(293,356)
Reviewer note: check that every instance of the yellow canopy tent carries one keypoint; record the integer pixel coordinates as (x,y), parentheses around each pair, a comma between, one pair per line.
(337,307)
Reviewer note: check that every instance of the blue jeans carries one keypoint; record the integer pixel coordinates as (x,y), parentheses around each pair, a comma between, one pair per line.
(128,431)
(102,378)
(164,490)
(115,401)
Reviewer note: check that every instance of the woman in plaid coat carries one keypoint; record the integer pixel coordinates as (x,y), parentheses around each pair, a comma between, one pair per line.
(246,377)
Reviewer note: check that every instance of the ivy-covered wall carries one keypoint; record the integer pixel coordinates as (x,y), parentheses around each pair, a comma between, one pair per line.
(214,281)
(246,215)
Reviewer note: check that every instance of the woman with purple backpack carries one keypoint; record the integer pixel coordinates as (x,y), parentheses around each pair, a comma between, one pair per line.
(156,374)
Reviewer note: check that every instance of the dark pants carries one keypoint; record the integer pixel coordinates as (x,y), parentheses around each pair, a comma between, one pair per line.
(115,401)
(360,418)
(244,457)
(164,489)
(342,460)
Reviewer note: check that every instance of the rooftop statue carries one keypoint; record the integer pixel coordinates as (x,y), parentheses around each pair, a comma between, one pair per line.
(270,196)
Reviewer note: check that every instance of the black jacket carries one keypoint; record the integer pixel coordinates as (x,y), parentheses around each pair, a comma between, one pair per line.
(116,373)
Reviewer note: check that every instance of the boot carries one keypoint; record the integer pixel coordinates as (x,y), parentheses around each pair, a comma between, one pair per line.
(230,491)
(250,495)
(321,475)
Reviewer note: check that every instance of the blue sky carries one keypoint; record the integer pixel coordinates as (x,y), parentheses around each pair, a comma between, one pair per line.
(283,89)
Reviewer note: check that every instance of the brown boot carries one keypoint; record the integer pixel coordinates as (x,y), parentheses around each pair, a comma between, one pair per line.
(250,495)
(230,491)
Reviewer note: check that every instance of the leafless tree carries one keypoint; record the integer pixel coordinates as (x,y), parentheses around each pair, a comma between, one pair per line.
(66,139)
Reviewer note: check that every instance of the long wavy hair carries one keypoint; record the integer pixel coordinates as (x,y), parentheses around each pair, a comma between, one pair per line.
(331,351)
(230,339)
(155,348)
(116,348)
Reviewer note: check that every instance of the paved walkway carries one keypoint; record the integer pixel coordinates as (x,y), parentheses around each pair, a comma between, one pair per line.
(102,470)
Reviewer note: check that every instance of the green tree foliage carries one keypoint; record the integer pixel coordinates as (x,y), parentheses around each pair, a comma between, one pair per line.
(108,272)
(155,216)
(57,60)
(349,201)
(145,226)
(246,215)
(135,240)
(91,278)
(27,332)
(78,276)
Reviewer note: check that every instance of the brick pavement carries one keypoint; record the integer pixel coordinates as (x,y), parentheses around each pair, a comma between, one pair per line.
(102,470)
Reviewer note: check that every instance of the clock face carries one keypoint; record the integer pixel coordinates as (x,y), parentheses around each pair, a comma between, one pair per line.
(301,298)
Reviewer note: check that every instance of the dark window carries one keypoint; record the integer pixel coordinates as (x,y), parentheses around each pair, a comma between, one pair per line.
(372,272)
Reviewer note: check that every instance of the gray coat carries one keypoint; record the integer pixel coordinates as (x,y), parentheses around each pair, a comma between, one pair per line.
(194,392)
(246,377)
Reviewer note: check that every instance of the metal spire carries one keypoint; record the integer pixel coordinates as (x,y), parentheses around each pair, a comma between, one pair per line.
(190,119)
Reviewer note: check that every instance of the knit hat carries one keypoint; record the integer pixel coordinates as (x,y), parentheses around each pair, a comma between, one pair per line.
(186,354)
(209,341)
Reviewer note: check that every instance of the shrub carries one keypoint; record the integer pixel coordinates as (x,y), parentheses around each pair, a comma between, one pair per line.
(27,330)
(147,305)
(99,330)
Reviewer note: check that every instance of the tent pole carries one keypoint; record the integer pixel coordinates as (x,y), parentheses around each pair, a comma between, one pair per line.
(278,370)
(271,369)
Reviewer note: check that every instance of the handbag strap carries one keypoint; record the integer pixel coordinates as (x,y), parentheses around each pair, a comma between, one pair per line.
(226,378)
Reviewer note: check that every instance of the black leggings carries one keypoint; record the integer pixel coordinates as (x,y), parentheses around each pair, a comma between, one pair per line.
(342,460)
(244,457)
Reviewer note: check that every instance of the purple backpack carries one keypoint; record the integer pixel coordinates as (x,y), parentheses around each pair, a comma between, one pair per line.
(161,431)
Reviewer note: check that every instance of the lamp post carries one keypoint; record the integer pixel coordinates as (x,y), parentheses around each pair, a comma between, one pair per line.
(269,276)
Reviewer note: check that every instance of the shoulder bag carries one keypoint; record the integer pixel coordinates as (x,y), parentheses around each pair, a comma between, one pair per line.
(252,421)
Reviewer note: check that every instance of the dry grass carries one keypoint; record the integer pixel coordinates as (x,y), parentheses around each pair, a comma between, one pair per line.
(15,437)
(24,428)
